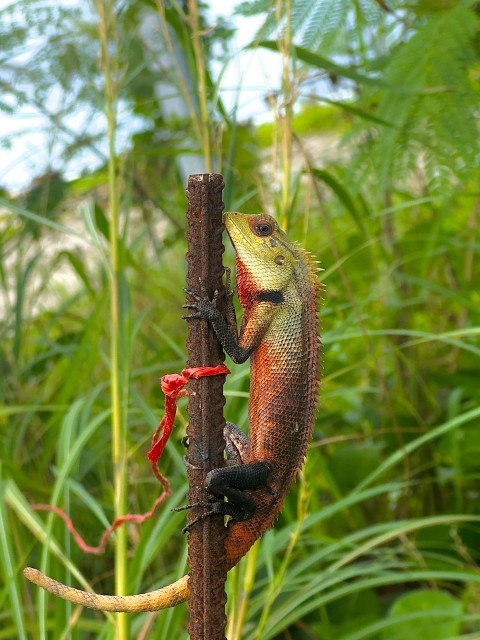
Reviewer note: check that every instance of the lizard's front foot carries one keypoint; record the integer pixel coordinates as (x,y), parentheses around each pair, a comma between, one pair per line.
(202,307)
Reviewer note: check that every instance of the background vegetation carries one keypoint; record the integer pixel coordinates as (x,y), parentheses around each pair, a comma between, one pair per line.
(380,538)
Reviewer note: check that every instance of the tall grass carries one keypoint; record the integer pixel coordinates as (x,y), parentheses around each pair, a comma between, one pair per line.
(379,538)
(119,311)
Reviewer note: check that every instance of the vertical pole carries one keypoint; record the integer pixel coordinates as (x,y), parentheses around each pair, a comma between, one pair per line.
(206,554)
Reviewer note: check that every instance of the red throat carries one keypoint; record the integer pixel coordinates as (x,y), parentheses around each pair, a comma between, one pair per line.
(246,288)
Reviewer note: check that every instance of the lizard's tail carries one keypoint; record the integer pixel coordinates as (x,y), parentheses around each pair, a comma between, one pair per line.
(168,596)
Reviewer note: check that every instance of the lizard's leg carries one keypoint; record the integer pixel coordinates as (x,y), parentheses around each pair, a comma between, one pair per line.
(255,323)
(232,481)
(203,307)
(236,444)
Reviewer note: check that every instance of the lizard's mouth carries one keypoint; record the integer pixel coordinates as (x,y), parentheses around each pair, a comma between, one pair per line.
(227,221)
(230,220)
(228,217)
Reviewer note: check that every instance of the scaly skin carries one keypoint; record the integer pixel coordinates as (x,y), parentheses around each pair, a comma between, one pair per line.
(277,288)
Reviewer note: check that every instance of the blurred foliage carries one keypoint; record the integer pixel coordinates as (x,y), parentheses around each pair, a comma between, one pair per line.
(385,518)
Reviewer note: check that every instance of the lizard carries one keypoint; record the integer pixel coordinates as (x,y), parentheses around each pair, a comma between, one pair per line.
(277,287)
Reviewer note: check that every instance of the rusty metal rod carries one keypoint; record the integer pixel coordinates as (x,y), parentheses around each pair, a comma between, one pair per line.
(206,554)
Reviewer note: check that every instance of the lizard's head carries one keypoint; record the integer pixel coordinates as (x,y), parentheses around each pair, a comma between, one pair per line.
(266,258)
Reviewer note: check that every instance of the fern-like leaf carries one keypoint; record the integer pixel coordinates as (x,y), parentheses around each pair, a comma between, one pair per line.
(436,121)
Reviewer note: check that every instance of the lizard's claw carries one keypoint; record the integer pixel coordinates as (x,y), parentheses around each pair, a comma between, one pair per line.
(204,297)
(192,294)
(194,314)
(215,510)
(202,306)
(189,465)
(184,507)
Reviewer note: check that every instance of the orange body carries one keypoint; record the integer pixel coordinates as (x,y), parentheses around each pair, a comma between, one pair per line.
(283,392)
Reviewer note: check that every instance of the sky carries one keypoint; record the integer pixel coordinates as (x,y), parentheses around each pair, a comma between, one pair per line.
(258,70)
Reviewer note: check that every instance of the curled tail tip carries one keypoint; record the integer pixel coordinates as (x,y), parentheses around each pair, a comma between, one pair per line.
(31,574)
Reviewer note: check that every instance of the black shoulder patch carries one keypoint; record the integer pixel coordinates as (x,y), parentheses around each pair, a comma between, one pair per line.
(275,297)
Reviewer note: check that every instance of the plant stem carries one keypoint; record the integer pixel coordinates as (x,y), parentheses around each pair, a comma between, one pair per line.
(286,115)
(178,72)
(202,84)
(278,580)
(108,34)
(236,624)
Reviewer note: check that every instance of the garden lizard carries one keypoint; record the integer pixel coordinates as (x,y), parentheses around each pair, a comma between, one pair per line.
(278,288)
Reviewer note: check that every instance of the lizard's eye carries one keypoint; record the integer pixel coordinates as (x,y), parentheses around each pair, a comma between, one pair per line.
(263,229)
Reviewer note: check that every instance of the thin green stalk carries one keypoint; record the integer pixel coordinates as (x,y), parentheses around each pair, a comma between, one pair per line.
(279,577)
(9,570)
(108,34)
(178,72)
(286,114)
(239,614)
(202,84)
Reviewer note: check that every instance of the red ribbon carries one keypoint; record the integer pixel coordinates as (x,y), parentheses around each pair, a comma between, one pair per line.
(172,387)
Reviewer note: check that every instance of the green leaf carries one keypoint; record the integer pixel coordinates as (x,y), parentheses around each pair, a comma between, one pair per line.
(9,569)
(343,194)
(321,62)
(424,615)
(361,113)
(42,220)
(101,221)
(78,267)
(351,464)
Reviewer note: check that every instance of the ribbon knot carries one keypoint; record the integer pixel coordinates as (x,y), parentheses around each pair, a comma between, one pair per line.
(172,386)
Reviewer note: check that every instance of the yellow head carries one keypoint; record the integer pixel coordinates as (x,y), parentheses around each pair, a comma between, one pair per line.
(266,259)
